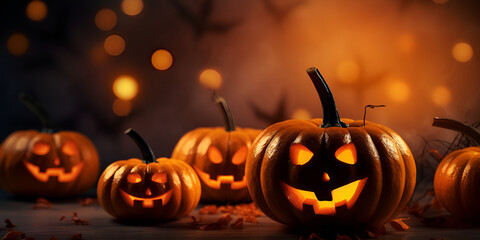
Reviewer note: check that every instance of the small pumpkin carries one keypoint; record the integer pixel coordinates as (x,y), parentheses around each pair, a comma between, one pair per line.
(218,156)
(334,172)
(457,176)
(148,189)
(47,164)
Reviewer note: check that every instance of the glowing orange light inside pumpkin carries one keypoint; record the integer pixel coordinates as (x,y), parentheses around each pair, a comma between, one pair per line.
(210,78)
(41,148)
(17,44)
(299,154)
(60,173)
(159,177)
(105,19)
(325,177)
(462,52)
(240,156)
(70,148)
(36,10)
(134,178)
(214,155)
(114,45)
(348,71)
(132,7)
(347,154)
(162,59)
(125,87)
(146,202)
(148,192)
(441,96)
(221,179)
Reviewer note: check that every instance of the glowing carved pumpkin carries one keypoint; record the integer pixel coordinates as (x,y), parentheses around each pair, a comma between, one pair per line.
(458,175)
(161,189)
(218,156)
(332,172)
(47,164)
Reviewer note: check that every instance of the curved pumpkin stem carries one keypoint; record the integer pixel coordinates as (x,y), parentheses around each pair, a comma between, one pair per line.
(455,125)
(330,112)
(372,107)
(147,153)
(38,110)
(226,114)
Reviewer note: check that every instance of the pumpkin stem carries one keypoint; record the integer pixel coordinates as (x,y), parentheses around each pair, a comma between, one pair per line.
(372,107)
(455,125)
(330,112)
(38,110)
(226,114)
(147,153)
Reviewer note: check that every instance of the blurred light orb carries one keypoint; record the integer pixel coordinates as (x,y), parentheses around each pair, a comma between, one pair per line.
(132,7)
(210,78)
(114,45)
(106,19)
(17,44)
(398,90)
(36,10)
(121,107)
(125,87)
(406,43)
(348,71)
(440,1)
(301,113)
(162,59)
(462,52)
(441,96)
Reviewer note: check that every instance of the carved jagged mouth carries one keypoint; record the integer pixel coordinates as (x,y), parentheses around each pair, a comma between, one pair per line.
(146,202)
(344,195)
(221,179)
(60,173)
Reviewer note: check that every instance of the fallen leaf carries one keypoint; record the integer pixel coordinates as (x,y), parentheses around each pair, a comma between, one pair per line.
(399,225)
(314,236)
(238,224)
(88,201)
(42,203)
(208,209)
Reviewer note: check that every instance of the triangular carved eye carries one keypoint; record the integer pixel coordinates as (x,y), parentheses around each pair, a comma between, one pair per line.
(347,154)
(240,156)
(41,148)
(299,154)
(134,177)
(159,177)
(214,155)
(70,148)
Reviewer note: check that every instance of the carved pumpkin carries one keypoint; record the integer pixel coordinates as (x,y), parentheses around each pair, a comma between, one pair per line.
(458,175)
(148,189)
(330,173)
(47,164)
(218,156)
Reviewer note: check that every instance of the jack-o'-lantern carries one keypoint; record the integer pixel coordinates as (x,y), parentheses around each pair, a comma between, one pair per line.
(218,156)
(47,164)
(334,172)
(458,175)
(148,189)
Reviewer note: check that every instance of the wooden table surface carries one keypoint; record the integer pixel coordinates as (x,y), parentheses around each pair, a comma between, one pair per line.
(45,223)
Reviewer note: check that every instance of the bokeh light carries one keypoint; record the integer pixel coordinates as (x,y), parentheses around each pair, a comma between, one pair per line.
(114,45)
(462,52)
(121,107)
(210,78)
(125,87)
(106,19)
(406,43)
(301,113)
(17,44)
(398,90)
(36,10)
(162,59)
(348,71)
(132,7)
(441,96)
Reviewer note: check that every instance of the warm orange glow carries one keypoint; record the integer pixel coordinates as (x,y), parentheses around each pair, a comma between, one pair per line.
(146,202)
(70,148)
(210,78)
(441,96)
(132,7)
(121,107)
(221,179)
(299,154)
(17,44)
(162,59)
(440,1)
(301,113)
(398,90)
(325,177)
(106,19)
(114,45)
(214,155)
(159,177)
(347,154)
(240,156)
(134,177)
(125,87)
(462,52)
(60,173)
(406,43)
(36,10)
(348,71)
(344,195)
(41,148)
